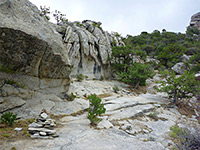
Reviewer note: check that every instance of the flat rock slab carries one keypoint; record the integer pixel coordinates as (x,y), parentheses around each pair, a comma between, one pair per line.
(77,135)
(33,106)
(42,130)
(97,87)
(129,112)
(112,103)
(10,103)
(104,124)
(70,107)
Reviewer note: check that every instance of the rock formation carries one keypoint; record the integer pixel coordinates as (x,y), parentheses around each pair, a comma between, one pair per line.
(29,44)
(195,20)
(33,58)
(89,48)
(43,127)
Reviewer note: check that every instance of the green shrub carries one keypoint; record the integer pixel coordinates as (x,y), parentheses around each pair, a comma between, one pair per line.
(170,54)
(195,60)
(13,83)
(13,148)
(79,77)
(102,78)
(95,109)
(154,116)
(8,118)
(86,77)
(60,17)
(79,24)
(45,11)
(184,139)
(97,25)
(188,140)
(7,69)
(136,75)
(115,89)
(175,131)
(71,97)
(151,138)
(6,135)
(182,87)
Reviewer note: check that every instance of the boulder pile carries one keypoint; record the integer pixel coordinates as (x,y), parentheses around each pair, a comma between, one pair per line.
(43,127)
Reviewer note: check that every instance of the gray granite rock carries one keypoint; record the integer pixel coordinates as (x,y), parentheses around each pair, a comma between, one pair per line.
(179,68)
(35,125)
(195,20)
(89,48)
(10,103)
(34,130)
(18,129)
(31,45)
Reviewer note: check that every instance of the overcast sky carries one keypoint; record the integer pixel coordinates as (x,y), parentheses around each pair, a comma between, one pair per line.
(128,16)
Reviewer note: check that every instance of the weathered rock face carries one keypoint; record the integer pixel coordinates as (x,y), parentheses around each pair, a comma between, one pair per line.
(195,20)
(89,48)
(29,44)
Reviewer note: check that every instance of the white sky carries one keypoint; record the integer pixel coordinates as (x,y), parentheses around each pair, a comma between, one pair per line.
(128,16)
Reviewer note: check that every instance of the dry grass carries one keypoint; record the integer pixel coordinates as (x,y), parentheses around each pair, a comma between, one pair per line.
(186,110)
(7,132)
(139,90)
(104,95)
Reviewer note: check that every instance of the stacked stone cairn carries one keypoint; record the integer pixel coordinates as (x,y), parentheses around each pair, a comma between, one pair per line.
(43,127)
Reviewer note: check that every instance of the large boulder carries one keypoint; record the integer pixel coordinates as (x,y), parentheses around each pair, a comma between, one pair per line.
(179,68)
(29,44)
(195,20)
(89,48)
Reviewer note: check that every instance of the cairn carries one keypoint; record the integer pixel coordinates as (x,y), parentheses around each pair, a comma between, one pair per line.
(43,127)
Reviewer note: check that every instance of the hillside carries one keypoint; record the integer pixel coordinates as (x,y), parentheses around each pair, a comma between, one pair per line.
(148,86)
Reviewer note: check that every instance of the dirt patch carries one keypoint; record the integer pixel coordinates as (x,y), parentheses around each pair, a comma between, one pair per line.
(104,95)
(139,90)
(186,110)
(8,133)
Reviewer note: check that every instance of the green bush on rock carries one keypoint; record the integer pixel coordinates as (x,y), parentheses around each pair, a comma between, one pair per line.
(178,88)
(79,77)
(136,75)
(8,118)
(115,89)
(95,109)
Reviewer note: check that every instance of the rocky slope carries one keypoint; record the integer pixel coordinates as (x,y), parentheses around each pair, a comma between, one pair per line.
(37,57)
(127,124)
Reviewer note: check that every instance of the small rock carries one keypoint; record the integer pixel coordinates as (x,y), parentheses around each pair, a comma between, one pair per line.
(44,115)
(184,58)
(145,131)
(18,129)
(43,133)
(105,124)
(48,131)
(157,105)
(55,135)
(36,134)
(48,127)
(52,124)
(47,122)
(35,125)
